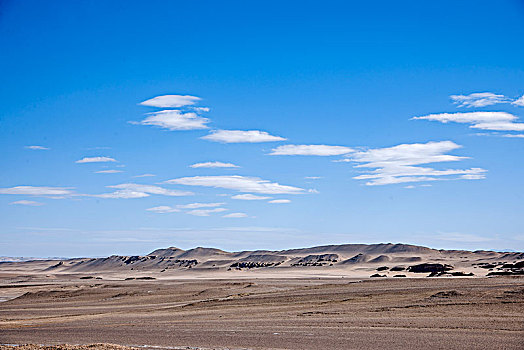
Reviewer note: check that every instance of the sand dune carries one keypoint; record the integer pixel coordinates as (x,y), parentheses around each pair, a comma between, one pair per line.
(347,260)
(352,296)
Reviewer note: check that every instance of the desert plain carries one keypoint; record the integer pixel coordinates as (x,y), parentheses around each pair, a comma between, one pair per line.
(383,296)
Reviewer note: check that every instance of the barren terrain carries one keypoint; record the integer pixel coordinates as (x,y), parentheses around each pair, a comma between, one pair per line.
(267,307)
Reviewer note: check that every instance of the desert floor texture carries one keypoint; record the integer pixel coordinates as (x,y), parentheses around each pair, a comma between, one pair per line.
(261,313)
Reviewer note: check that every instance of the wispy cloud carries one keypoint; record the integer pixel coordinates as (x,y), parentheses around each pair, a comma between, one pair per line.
(310,150)
(95,160)
(241,136)
(112,171)
(38,191)
(163,209)
(479,99)
(483,99)
(312,177)
(519,101)
(145,175)
(237,183)
(498,121)
(26,202)
(514,135)
(205,212)
(199,205)
(175,120)
(213,165)
(280,201)
(235,215)
(171,101)
(38,148)
(400,164)
(249,197)
(130,190)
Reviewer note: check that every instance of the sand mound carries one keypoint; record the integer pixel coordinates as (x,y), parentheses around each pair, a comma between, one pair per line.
(167,252)
(359,258)
(380,259)
(201,253)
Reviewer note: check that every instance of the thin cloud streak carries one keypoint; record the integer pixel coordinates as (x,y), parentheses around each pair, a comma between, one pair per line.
(235,215)
(174,120)
(497,121)
(280,201)
(249,197)
(95,160)
(163,209)
(131,190)
(241,136)
(479,99)
(237,183)
(205,212)
(38,191)
(214,165)
(199,205)
(171,101)
(26,202)
(38,148)
(310,150)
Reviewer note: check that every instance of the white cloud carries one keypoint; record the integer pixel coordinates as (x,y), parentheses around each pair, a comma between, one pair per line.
(95,160)
(498,121)
(235,215)
(112,171)
(280,201)
(479,99)
(514,135)
(199,205)
(175,120)
(205,212)
(171,101)
(249,197)
(213,165)
(26,202)
(130,190)
(201,109)
(399,164)
(310,150)
(519,101)
(237,183)
(41,148)
(145,175)
(312,177)
(240,136)
(123,194)
(163,209)
(37,191)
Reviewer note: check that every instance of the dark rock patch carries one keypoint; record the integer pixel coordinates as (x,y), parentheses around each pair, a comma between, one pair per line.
(377,275)
(433,268)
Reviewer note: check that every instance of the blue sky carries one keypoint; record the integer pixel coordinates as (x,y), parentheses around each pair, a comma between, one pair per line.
(366,122)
